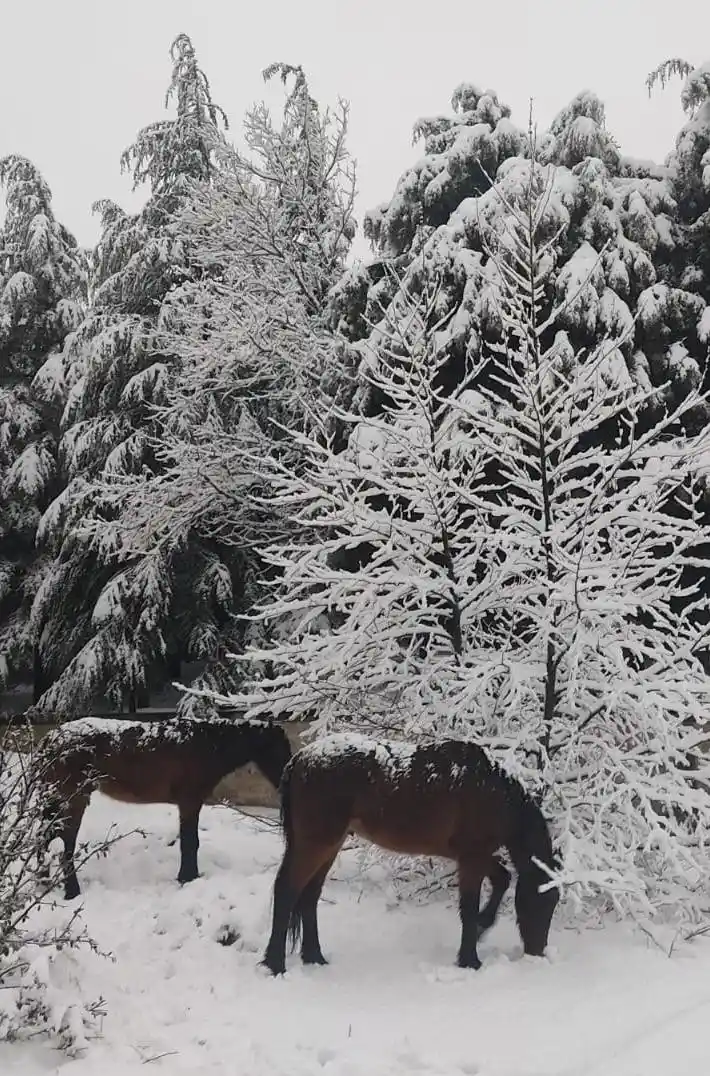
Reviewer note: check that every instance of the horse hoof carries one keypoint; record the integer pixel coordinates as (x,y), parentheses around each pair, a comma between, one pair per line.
(272,966)
(313,958)
(71,892)
(184,879)
(471,962)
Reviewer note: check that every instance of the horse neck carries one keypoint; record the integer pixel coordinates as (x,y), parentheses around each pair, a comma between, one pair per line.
(239,745)
(236,748)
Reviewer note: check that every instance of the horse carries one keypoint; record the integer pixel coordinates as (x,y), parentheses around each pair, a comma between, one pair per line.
(177,761)
(442,798)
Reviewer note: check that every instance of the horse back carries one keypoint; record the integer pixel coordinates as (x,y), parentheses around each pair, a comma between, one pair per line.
(128,770)
(439,799)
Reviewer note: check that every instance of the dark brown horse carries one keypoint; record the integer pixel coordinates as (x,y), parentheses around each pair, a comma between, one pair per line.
(173,761)
(437,799)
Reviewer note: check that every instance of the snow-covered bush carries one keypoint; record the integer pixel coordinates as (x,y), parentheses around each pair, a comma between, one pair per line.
(40,988)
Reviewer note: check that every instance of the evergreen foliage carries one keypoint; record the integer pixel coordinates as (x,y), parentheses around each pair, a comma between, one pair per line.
(43,278)
(618,217)
(101,616)
(255,359)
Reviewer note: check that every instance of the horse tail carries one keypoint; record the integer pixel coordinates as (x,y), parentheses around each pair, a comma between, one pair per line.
(52,814)
(285,805)
(295,926)
(295,922)
(51,825)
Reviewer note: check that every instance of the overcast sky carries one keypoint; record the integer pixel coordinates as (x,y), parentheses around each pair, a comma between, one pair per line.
(78,78)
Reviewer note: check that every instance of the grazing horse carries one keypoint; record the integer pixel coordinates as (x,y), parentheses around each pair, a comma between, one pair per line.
(175,761)
(443,798)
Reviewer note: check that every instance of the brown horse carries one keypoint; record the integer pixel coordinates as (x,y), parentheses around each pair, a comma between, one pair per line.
(437,799)
(173,761)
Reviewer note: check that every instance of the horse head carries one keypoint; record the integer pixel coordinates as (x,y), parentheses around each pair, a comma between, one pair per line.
(269,748)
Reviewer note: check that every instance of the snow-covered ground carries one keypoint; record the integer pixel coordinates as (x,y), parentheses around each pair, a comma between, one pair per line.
(390,1003)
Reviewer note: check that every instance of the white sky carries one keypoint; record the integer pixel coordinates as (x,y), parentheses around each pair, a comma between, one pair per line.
(79,77)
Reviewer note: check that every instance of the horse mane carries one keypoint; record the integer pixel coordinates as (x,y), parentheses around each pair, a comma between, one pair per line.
(89,734)
(224,725)
(285,800)
(534,831)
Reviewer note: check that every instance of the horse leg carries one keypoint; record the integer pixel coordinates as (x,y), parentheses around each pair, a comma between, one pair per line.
(189,841)
(72,823)
(51,827)
(472,871)
(500,880)
(298,868)
(307,909)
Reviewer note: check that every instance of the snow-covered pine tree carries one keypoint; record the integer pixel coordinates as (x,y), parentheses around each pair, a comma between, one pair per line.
(688,170)
(624,211)
(523,574)
(270,237)
(43,279)
(462,154)
(101,618)
(686,266)
(619,217)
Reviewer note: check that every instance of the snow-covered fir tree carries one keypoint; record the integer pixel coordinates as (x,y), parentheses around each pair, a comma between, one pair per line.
(522,571)
(619,216)
(270,237)
(686,267)
(688,170)
(462,153)
(100,618)
(43,278)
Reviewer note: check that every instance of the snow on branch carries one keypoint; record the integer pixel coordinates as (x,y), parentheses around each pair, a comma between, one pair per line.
(40,981)
(511,557)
